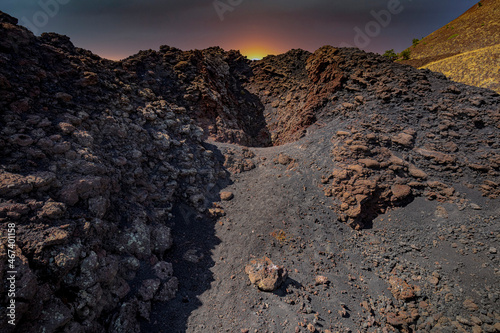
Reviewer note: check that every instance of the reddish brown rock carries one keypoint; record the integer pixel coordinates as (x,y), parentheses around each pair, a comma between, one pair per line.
(479,167)
(369,163)
(441,212)
(403,139)
(401,192)
(470,305)
(417,173)
(52,210)
(401,289)
(226,196)
(437,156)
(266,275)
(311,328)
(398,319)
(320,279)
(12,184)
(284,159)
(343,133)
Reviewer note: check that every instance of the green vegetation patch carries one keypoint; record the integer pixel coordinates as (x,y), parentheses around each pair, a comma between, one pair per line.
(406,54)
(390,54)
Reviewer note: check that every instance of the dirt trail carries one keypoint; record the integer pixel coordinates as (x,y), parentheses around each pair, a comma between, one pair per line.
(442,255)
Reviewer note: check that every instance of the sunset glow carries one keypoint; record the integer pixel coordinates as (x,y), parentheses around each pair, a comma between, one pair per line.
(255,53)
(256,28)
(255,49)
(256,45)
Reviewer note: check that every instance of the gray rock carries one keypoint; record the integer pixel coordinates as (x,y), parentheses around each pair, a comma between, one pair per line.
(148,289)
(163,270)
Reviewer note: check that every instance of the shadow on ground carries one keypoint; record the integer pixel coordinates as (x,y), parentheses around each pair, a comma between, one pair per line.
(191,257)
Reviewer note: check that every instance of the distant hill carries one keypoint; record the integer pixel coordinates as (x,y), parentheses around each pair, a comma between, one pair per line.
(467,49)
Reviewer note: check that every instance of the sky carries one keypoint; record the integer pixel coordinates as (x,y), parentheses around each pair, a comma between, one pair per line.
(116,29)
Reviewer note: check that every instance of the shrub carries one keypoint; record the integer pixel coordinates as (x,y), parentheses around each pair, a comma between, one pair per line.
(415,41)
(406,54)
(390,54)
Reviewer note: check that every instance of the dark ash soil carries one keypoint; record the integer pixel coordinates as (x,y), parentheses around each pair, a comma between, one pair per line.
(443,251)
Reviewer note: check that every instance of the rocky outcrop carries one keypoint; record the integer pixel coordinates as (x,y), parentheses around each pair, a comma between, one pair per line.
(209,84)
(92,159)
(407,132)
(294,87)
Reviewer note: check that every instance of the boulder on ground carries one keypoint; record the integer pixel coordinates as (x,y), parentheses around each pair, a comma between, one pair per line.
(266,275)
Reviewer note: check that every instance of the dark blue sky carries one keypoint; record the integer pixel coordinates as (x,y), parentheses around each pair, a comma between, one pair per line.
(119,28)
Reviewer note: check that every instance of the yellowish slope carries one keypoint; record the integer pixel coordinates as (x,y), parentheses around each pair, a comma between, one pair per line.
(477,28)
(467,49)
(479,68)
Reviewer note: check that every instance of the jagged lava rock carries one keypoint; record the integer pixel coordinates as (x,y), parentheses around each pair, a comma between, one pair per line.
(266,275)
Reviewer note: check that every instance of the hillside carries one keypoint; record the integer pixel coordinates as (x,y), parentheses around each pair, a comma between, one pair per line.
(479,68)
(143,192)
(466,49)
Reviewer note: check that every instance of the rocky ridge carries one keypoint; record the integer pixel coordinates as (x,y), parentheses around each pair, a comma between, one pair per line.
(407,132)
(92,163)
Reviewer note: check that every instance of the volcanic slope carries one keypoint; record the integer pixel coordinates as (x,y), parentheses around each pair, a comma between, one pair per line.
(341,164)
(466,49)
(411,162)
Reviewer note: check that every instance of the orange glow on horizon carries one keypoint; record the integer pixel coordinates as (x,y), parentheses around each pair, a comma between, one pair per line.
(256,45)
(252,47)
(255,53)
(252,53)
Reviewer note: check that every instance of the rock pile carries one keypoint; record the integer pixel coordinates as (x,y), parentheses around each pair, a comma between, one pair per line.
(92,160)
(410,132)
(210,84)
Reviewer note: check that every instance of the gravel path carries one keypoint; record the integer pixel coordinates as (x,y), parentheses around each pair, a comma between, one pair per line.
(429,266)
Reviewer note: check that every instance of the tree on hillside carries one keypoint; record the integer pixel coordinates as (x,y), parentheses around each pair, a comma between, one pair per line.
(406,54)
(390,54)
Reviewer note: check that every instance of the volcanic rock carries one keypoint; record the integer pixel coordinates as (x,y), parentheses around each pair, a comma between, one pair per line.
(401,192)
(400,288)
(403,139)
(226,196)
(266,275)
